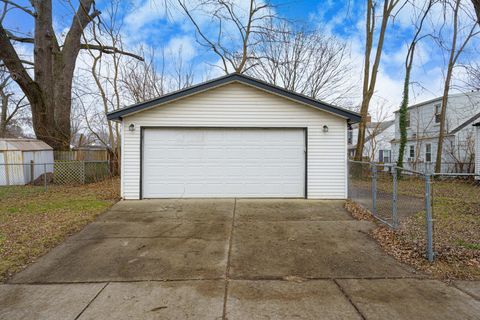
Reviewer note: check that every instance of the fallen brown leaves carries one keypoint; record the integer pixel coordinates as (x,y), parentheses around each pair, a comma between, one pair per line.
(358,212)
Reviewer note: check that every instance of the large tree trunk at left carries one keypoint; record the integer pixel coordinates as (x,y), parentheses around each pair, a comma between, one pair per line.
(50,90)
(44,110)
(54,77)
(63,102)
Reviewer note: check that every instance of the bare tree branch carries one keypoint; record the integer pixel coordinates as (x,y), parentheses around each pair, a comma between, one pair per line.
(16,5)
(227,12)
(109,50)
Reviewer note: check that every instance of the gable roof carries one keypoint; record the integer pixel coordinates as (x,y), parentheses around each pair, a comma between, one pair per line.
(352,117)
(466,123)
(381,126)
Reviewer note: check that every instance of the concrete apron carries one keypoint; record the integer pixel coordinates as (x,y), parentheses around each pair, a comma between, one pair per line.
(214,259)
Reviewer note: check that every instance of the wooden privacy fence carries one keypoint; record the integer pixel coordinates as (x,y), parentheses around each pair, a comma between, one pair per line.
(81,155)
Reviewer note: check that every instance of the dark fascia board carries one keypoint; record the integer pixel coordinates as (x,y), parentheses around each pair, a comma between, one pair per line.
(352,117)
(466,123)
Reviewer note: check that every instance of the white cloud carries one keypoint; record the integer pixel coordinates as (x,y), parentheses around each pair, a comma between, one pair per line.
(145,13)
(183,46)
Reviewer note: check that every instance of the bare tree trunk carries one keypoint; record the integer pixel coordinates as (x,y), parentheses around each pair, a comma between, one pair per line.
(370,76)
(452,60)
(441,134)
(406,83)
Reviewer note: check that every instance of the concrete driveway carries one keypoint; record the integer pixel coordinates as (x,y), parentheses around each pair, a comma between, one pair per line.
(228,259)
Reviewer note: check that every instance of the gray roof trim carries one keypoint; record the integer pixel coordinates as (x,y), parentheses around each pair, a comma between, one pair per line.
(466,123)
(353,117)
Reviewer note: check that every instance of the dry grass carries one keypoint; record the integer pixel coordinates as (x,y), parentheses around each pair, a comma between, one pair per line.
(32,220)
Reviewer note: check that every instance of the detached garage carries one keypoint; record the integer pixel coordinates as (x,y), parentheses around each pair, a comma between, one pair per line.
(234,136)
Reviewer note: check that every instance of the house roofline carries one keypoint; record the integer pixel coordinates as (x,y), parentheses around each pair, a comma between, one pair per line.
(466,123)
(437,99)
(351,116)
(421,138)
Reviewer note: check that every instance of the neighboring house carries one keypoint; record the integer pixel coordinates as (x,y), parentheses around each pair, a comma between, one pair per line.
(477,149)
(423,124)
(20,158)
(234,136)
(377,147)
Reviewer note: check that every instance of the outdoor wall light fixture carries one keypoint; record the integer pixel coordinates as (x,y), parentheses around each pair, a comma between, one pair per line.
(325,128)
(131,127)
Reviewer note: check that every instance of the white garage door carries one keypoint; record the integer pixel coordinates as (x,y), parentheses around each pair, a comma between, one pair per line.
(223,163)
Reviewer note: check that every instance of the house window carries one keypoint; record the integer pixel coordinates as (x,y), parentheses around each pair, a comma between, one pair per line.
(350,136)
(407,120)
(385,156)
(438,111)
(428,152)
(412,152)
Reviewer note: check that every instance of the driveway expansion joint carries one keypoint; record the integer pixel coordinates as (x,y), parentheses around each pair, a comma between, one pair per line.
(465,292)
(345,294)
(91,301)
(227,268)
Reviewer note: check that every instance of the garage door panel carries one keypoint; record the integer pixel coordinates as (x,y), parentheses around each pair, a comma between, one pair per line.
(223,163)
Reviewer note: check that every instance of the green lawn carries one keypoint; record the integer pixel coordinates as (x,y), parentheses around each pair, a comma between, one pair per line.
(32,220)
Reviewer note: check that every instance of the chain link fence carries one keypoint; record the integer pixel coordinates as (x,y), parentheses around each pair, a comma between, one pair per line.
(57,173)
(439,212)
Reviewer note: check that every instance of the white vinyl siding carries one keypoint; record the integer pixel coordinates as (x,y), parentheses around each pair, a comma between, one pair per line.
(237,105)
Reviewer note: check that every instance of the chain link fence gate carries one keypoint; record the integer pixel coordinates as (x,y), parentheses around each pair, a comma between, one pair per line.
(408,201)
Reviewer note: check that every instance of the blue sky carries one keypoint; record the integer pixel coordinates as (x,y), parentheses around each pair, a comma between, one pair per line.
(145,24)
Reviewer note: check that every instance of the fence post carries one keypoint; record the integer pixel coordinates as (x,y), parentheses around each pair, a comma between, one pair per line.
(374,189)
(428,217)
(32,172)
(394,198)
(45,175)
